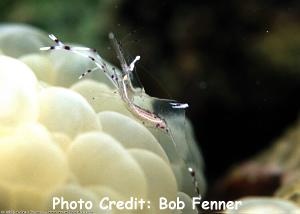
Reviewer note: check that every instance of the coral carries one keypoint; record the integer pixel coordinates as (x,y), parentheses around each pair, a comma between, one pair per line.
(273,173)
(76,139)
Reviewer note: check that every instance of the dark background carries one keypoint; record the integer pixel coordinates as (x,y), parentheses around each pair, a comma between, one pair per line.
(237,63)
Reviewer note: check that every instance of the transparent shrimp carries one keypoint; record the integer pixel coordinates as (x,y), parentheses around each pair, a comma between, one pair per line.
(125,90)
(123,81)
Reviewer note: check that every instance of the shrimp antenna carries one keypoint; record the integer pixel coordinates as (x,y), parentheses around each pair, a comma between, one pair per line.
(117,47)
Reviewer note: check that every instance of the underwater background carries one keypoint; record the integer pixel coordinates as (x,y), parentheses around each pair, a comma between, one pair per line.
(237,63)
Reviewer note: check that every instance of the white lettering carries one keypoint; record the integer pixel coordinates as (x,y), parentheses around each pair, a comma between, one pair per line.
(172,205)
(55,202)
(103,204)
(132,204)
(215,205)
(72,205)
(196,201)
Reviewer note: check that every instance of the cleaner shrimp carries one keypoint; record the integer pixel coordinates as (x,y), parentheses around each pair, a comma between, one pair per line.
(122,80)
